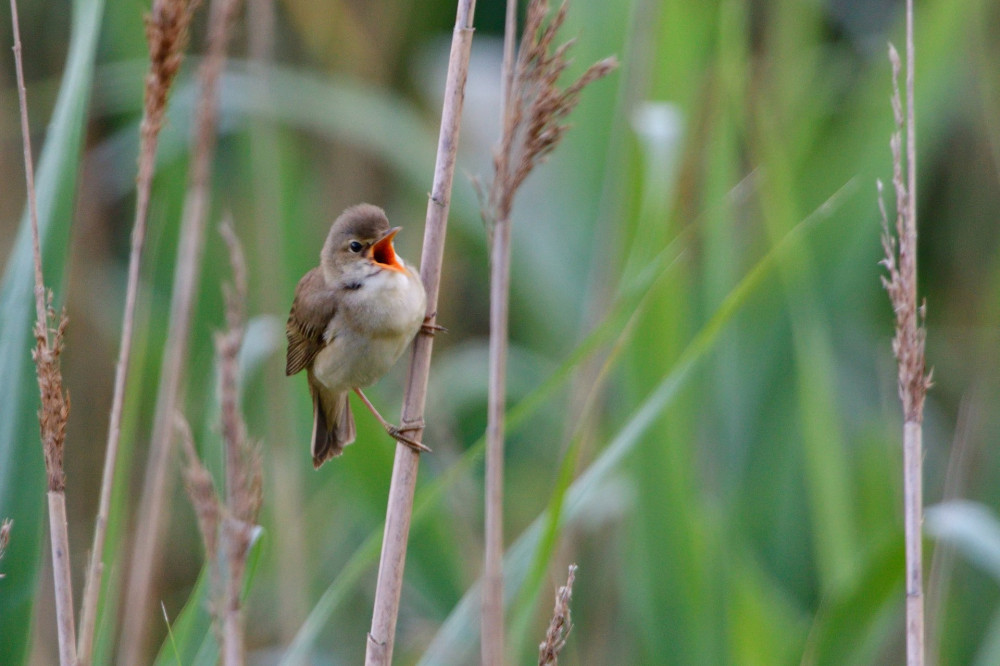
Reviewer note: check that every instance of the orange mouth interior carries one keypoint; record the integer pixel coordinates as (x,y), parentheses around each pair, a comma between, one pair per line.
(384,254)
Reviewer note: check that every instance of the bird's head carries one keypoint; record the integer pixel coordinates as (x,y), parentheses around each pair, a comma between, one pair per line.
(360,237)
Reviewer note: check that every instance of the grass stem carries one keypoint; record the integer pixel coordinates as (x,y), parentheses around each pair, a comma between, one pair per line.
(492,612)
(909,342)
(533,116)
(166,32)
(54,410)
(62,578)
(404,470)
(151,518)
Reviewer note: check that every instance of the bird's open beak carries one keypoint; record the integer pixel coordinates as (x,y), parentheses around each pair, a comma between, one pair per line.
(384,254)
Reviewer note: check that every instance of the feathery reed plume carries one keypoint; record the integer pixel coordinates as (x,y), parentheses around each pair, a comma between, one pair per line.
(200,489)
(908,344)
(167,36)
(152,509)
(208,510)
(227,527)
(5,528)
(560,625)
(536,109)
(378,650)
(52,417)
(901,263)
(54,410)
(533,122)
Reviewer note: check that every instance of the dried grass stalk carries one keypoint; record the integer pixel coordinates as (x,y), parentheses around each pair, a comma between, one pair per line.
(167,35)
(244,475)
(381,636)
(900,262)
(54,410)
(560,625)
(227,527)
(908,344)
(65,624)
(200,489)
(153,510)
(535,110)
(52,417)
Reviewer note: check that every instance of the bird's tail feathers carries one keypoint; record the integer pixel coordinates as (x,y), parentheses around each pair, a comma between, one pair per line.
(333,426)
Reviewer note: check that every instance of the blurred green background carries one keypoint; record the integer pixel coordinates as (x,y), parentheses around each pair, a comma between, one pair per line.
(703,394)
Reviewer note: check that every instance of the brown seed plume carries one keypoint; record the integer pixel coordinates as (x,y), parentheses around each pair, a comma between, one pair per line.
(901,263)
(560,625)
(54,410)
(536,108)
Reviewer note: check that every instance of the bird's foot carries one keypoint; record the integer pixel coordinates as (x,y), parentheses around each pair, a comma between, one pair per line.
(428,328)
(397,434)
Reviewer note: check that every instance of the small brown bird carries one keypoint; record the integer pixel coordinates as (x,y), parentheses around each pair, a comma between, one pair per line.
(351,319)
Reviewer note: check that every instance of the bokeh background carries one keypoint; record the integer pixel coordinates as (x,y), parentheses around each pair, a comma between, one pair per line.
(700,366)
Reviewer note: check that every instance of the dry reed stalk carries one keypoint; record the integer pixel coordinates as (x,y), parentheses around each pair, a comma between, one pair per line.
(54,410)
(560,625)
(243,465)
(492,619)
(151,516)
(404,471)
(533,123)
(227,527)
(52,418)
(167,35)
(908,344)
(62,578)
(200,489)
(536,108)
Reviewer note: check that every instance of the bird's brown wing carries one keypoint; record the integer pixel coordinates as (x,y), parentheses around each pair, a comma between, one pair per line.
(313,308)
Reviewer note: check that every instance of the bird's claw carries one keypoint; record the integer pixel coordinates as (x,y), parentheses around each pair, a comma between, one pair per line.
(428,328)
(397,434)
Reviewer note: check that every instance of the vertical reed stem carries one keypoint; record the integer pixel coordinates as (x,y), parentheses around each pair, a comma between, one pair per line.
(63,580)
(166,31)
(55,407)
(912,430)
(492,621)
(152,512)
(404,471)
(909,342)
(913,519)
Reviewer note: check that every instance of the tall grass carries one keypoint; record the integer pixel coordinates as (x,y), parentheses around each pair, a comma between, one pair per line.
(22,475)
(701,390)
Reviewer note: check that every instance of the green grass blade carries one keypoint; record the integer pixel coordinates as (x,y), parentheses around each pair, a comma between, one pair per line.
(825,453)
(22,474)
(190,640)
(189,629)
(989,650)
(850,625)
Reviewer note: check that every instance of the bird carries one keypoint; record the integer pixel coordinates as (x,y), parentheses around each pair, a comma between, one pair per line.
(351,319)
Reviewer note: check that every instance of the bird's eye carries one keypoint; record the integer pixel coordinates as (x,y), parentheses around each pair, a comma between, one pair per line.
(355,246)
